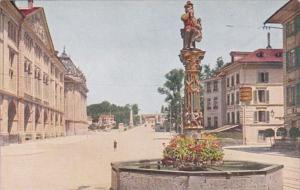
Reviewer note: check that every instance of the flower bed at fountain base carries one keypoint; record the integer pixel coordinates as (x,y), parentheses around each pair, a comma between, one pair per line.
(231,175)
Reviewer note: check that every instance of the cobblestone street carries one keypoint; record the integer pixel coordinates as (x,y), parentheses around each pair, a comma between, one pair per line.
(83,162)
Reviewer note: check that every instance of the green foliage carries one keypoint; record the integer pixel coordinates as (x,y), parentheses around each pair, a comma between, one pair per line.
(269,132)
(121,113)
(185,151)
(172,90)
(294,132)
(282,132)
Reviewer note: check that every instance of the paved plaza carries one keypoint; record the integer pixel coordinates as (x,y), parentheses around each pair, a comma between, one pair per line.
(83,162)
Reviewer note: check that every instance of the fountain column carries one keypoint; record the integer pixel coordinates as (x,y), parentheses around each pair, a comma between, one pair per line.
(191,58)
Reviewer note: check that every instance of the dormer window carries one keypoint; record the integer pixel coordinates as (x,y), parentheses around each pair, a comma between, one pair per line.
(260,54)
(278,54)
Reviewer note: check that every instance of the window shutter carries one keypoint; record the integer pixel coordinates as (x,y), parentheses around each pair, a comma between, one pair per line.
(266,77)
(268,116)
(297,23)
(255,116)
(255,96)
(267,96)
(297,56)
(298,94)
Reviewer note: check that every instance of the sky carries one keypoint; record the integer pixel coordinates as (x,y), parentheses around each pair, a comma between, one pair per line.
(125,47)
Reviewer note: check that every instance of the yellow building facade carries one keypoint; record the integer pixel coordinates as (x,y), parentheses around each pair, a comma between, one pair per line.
(31,76)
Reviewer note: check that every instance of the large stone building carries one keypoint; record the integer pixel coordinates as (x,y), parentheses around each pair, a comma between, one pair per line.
(289,17)
(75,97)
(261,70)
(31,76)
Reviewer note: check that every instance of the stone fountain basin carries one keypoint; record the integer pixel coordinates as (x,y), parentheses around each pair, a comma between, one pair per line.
(233,175)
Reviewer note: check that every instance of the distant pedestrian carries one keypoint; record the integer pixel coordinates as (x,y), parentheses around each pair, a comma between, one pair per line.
(115,145)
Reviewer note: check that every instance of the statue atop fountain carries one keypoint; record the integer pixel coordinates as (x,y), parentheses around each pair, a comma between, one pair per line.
(191,33)
(191,57)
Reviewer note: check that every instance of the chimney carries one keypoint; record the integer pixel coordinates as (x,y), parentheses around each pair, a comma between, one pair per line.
(269,43)
(30,4)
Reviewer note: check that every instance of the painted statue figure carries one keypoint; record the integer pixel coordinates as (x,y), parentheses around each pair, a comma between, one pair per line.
(192,27)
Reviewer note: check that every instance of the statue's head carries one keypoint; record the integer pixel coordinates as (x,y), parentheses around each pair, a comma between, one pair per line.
(189,5)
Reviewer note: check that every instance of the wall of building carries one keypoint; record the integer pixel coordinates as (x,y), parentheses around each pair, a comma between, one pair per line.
(291,42)
(26,109)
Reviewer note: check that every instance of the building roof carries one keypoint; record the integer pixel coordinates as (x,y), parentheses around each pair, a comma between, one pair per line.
(71,68)
(285,12)
(263,56)
(26,12)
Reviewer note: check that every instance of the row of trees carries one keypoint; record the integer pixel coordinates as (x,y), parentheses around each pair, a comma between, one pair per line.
(173,90)
(121,113)
(294,133)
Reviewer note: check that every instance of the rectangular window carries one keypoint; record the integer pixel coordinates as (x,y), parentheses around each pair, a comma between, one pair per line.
(232,80)
(232,118)
(208,87)
(215,104)
(228,99)
(215,86)
(228,118)
(262,116)
(290,95)
(237,78)
(227,82)
(28,42)
(209,122)
(232,99)
(263,96)
(208,104)
(263,77)
(290,28)
(238,117)
(215,122)
(12,31)
(237,97)
(291,59)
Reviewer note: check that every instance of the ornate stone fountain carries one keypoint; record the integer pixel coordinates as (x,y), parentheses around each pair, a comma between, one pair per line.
(233,175)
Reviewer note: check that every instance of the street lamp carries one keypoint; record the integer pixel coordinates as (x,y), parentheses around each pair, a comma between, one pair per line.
(272,113)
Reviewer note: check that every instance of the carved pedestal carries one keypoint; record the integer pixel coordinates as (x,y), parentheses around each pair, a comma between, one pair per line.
(192,115)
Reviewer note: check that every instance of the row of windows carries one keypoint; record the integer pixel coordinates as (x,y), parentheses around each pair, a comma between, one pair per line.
(233,99)
(209,122)
(215,86)
(215,103)
(234,80)
(233,118)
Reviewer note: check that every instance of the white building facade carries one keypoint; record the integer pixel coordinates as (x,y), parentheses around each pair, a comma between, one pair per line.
(213,103)
(31,81)
(262,71)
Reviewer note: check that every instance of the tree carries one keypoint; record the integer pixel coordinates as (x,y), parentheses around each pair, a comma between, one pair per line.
(282,132)
(269,133)
(294,132)
(172,89)
(121,113)
(207,72)
(220,63)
